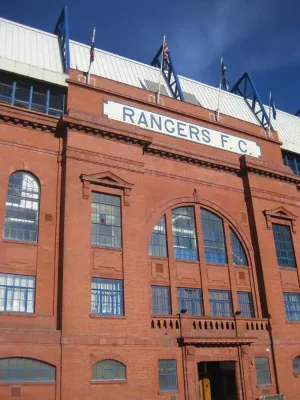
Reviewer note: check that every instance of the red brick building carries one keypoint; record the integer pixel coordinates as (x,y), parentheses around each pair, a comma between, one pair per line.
(149,251)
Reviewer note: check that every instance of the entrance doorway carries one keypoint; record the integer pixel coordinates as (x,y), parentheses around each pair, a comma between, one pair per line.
(217,380)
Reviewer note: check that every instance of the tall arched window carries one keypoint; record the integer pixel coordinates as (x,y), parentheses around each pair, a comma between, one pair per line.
(238,253)
(184,234)
(213,238)
(158,244)
(109,370)
(25,370)
(22,208)
(296,365)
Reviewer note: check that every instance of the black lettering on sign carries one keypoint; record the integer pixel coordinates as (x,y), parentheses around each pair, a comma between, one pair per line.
(180,128)
(128,112)
(206,135)
(224,139)
(244,149)
(167,122)
(142,119)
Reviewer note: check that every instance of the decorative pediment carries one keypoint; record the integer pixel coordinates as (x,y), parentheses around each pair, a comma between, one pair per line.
(107,179)
(280,213)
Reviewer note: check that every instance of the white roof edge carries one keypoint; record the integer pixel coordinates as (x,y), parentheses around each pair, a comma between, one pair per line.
(28,27)
(292,147)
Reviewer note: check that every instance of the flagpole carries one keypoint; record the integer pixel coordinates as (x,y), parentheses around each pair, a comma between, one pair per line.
(161,68)
(269,129)
(219,94)
(92,44)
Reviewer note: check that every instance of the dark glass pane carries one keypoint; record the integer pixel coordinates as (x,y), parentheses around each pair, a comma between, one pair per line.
(213,238)
(284,246)
(238,253)
(184,234)
(161,304)
(158,244)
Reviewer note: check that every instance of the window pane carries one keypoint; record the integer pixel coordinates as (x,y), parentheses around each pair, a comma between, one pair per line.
(220,303)
(190,299)
(161,304)
(262,371)
(284,246)
(25,370)
(246,304)
(296,364)
(22,208)
(22,94)
(213,238)
(107,296)
(184,234)
(106,220)
(167,372)
(238,253)
(292,160)
(17,293)
(292,306)
(108,370)
(6,89)
(39,99)
(158,244)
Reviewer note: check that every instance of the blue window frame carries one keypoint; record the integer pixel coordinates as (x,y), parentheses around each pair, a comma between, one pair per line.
(25,370)
(161,304)
(158,244)
(22,208)
(284,246)
(109,370)
(107,297)
(292,160)
(292,306)
(220,303)
(167,373)
(106,220)
(262,368)
(238,252)
(17,293)
(184,234)
(246,304)
(190,299)
(213,238)
(32,95)
(296,365)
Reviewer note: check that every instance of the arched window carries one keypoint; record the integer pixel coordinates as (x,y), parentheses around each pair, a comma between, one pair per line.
(296,364)
(238,253)
(184,234)
(109,370)
(22,208)
(158,244)
(25,370)
(213,238)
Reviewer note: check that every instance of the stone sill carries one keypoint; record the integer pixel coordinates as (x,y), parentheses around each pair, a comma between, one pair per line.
(27,383)
(109,382)
(108,316)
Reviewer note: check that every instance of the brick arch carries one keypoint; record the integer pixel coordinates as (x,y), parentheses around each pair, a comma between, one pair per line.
(182,201)
(109,356)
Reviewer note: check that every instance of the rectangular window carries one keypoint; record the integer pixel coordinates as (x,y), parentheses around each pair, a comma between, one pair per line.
(167,372)
(17,293)
(284,246)
(292,160)
(158,244)
(106,220)
(263,377)
(246,304)
(184,234)
(107,296)
(161,304)
(292,306)
(220,303)
(190,299)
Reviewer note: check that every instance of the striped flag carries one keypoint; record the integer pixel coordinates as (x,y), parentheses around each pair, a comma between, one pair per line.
(92,50)
(223,78)
(272,105)
(166,53)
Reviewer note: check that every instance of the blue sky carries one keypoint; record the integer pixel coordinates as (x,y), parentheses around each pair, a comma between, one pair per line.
(261,37)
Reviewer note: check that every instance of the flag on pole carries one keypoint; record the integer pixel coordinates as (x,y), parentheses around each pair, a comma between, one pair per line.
(164,56)
(223,78)
(92,50)
(166,53)
(272,105)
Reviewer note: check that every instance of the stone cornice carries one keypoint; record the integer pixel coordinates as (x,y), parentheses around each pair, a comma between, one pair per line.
(28,118)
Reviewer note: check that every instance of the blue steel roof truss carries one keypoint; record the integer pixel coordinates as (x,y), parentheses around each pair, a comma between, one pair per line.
(245,88)
(62,31)
(169,74)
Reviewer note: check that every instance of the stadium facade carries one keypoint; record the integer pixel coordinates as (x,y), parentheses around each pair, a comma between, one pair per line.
(149,251)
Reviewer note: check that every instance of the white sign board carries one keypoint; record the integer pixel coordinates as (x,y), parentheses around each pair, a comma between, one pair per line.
(179,129)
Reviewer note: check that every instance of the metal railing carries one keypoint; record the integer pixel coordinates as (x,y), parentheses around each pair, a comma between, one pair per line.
(272,397)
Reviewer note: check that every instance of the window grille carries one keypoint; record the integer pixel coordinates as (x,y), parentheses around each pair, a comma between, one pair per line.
(292,306)
(25,370)
(184,234)
(263,377)
(167,375)
(296,364)
(106,220)
(238,253)
(220,303)
(158,244)
(161,304)
(17,293)
(284,246)
(109,370)
(107,297)
(213,237)
(246,304)
(293,161)
(22,208)
(190,299)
